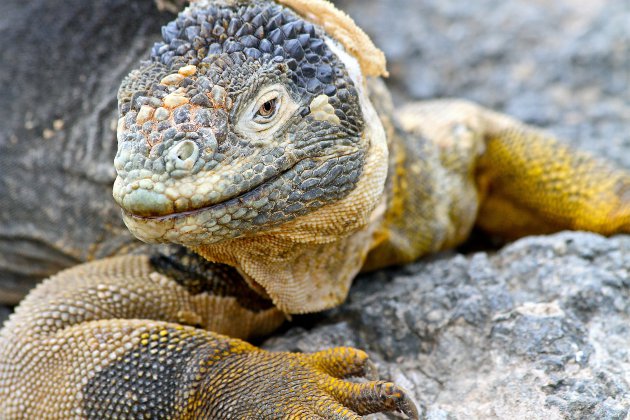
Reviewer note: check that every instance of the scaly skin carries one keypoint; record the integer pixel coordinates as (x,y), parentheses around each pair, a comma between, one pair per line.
(271,156)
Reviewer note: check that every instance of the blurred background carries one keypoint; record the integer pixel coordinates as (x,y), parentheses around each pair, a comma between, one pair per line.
(561,65)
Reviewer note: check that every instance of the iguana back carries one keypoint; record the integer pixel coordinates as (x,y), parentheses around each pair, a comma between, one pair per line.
(57,137)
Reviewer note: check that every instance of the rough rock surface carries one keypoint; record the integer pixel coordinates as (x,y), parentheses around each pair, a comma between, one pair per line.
(539,330)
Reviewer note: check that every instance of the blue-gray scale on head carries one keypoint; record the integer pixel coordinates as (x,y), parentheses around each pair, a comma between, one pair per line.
(244,110)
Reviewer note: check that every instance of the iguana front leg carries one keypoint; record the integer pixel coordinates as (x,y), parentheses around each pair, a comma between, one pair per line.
(114,339)
(525,181)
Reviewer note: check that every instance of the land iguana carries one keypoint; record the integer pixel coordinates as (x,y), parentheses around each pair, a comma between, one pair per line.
(260,142)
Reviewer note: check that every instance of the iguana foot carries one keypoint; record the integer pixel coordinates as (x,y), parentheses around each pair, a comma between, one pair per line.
(312,386)
(104,340)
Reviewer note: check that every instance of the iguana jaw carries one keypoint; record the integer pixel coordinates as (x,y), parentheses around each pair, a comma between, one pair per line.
(243,214)
(247,198)
(136,201)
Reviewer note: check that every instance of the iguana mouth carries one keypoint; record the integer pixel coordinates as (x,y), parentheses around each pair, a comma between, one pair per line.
(240,199)
(307,185)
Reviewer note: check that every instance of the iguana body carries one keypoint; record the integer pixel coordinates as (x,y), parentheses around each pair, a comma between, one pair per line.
(56,176)
(260,138)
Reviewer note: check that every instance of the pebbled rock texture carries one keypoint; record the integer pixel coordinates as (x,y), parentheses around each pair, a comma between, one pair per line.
(539,330)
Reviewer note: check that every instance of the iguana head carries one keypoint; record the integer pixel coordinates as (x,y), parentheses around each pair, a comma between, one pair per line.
(246,116)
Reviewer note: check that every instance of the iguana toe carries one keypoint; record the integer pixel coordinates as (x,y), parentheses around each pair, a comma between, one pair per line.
(361,398)
(374,397)
(297,385)
(345,362)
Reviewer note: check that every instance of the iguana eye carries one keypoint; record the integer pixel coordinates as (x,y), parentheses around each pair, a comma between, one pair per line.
(267,110)
(261,118)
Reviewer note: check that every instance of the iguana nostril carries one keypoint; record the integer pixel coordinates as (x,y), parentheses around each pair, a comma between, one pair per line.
(184,155)
(185,150)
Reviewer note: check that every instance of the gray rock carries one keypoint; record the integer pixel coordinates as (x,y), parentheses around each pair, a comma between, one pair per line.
(539,330)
